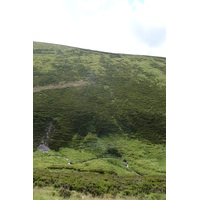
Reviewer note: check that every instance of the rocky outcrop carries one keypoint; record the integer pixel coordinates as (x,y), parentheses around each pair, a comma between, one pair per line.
(43,147)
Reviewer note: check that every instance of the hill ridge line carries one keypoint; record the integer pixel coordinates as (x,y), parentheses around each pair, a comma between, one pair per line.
(99,51)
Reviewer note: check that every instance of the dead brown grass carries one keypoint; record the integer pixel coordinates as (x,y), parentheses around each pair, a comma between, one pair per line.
(60,86)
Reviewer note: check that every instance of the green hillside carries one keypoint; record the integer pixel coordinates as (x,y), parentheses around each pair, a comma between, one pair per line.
(98,109)
(120,94)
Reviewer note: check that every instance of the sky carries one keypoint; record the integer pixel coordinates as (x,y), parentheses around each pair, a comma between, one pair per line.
(117,26)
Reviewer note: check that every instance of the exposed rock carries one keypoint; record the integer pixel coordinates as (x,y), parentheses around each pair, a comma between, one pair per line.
(43,147)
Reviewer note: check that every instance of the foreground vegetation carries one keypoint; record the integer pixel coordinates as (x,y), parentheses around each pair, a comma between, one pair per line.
(98,110)
(104,174)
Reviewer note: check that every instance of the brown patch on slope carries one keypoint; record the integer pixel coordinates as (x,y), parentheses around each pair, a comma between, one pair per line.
(60,86)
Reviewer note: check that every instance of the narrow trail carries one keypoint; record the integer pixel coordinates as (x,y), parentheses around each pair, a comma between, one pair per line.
(60,86)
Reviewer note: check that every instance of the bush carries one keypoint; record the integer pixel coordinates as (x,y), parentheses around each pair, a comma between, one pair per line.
(39,184)
(90,138)
(56,185)
(64,193)
(113,151)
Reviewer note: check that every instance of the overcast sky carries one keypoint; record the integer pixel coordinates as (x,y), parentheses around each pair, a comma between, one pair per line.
(118,26)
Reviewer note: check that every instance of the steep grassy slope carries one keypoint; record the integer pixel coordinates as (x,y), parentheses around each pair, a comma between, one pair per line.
(97,109)
(88,92)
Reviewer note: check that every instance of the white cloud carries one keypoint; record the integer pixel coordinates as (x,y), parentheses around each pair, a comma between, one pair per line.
(113,26)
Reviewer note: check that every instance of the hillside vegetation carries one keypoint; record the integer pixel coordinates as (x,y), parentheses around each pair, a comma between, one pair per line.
(122,94)
(97,109)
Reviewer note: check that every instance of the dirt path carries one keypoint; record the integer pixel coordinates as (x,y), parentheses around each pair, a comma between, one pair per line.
(60,86)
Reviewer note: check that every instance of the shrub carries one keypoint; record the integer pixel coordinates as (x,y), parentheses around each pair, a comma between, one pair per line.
(39,184)
(56,185)
(113,151)
(90,138)
(64,193)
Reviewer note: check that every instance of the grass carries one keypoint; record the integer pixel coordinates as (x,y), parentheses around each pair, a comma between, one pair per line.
(92,173)
(125,94)
(143,158)
(118,114)
(49,193)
